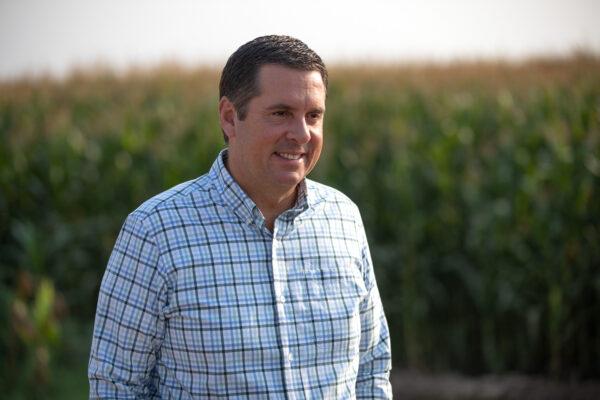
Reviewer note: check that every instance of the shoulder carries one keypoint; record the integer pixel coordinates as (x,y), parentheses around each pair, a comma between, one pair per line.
(160,209)
(326,194)
(332,200)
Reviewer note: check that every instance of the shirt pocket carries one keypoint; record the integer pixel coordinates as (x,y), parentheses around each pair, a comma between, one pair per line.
(332,292)
(334,279)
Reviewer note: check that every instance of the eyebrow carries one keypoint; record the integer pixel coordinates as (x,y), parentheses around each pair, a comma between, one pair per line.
(283,106)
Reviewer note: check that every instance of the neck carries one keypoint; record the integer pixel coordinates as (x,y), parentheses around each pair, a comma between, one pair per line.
(270,201)
(271,206)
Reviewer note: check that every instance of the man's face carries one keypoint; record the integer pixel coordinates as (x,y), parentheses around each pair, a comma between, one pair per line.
(280,140)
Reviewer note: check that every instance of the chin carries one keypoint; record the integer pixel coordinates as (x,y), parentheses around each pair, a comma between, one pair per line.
(289,181)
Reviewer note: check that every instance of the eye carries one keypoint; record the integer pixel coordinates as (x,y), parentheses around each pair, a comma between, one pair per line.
(314,116)
(280,113)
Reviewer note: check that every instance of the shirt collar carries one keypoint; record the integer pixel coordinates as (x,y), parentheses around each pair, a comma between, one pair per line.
(241,204)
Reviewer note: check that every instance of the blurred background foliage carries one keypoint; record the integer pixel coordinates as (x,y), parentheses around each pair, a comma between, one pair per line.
(479,184)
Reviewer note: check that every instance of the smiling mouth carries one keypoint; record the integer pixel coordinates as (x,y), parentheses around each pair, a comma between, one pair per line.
(289,156)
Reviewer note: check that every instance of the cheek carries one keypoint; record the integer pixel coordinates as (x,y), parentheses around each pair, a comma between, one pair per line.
(257,139)
(316,150)
(317,140)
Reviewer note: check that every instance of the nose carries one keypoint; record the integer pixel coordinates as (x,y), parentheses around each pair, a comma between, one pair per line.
(299,131)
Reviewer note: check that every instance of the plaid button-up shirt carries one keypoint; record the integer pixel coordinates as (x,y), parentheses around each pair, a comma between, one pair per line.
(201,300)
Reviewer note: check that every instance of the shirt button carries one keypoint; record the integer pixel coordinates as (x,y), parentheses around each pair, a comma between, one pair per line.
(290,357)
(281,299)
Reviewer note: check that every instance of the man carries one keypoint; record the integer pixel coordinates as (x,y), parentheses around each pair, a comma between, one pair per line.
(251,281)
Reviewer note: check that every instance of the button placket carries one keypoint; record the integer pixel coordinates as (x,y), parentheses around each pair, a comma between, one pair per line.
(279,285)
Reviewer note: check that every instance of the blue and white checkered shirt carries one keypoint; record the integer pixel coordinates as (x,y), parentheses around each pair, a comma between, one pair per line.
(201,300)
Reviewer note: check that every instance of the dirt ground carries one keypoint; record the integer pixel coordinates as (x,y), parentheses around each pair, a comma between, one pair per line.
(409,385)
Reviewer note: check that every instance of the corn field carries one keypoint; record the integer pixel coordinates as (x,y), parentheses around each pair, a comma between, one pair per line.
(479,185)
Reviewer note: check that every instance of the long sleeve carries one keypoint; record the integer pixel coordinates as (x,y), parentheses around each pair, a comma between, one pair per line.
(128,328)
(375,351)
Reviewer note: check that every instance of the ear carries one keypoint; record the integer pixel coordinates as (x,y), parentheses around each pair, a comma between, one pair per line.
(227,115)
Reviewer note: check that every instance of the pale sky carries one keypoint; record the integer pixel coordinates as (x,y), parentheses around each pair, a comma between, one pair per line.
(55,35)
